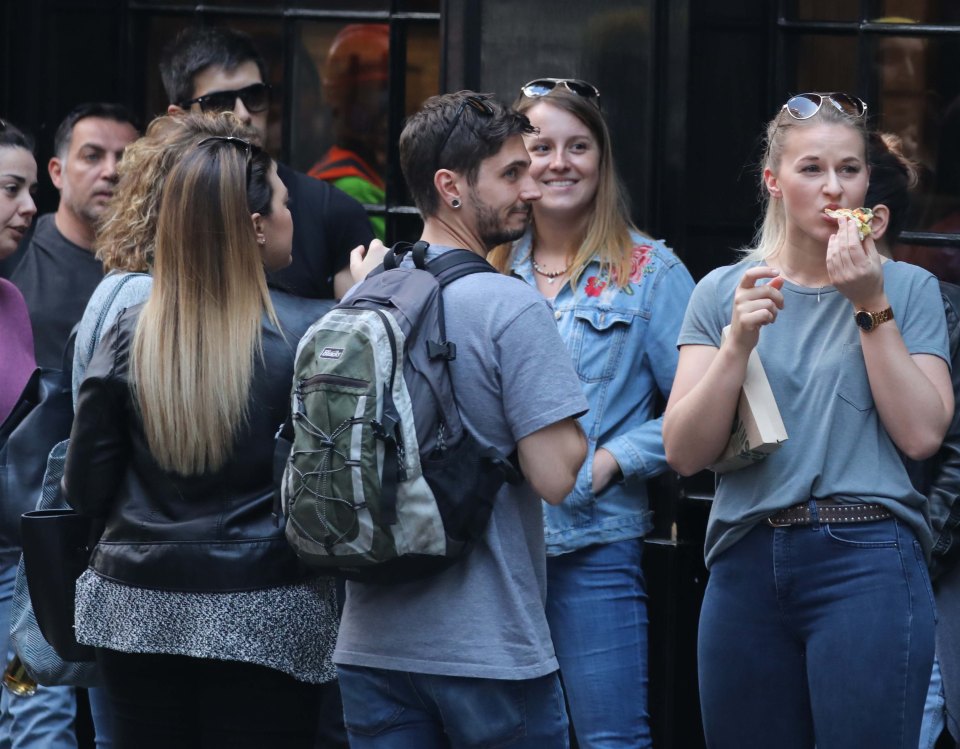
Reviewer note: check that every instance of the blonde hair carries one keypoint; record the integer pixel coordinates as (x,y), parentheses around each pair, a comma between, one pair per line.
(193,350)
(607,236)
(127,231)
(771,234)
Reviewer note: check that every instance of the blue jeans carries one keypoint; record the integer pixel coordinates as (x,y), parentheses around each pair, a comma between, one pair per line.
(597,610)
(402,710)
(817,635)
(45,718)
(934,711)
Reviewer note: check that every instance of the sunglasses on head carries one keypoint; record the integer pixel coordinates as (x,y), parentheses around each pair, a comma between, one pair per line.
(256,99)
(543,86)
(805,106)
(476,102)
(248,149)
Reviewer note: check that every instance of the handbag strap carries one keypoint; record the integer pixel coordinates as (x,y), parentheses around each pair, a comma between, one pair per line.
(105,309)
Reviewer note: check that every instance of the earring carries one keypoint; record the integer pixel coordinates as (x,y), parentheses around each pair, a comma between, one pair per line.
(455,203)
(261,241)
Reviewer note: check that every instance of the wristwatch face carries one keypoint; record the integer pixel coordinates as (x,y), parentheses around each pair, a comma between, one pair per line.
(864,320)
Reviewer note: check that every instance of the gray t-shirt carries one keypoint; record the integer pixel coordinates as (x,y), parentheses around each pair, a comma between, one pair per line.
(836,445)
(483,617)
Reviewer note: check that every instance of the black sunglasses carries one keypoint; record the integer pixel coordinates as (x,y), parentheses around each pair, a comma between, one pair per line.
(543,86)
(476,102)
(256,99)
(249,149)
(805,106)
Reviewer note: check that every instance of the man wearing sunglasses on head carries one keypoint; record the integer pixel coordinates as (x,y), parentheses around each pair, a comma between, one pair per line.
(214,69)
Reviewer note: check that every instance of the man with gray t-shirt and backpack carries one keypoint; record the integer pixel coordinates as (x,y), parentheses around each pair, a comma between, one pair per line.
(463,657)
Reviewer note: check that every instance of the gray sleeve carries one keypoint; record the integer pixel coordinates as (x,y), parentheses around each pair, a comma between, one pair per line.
(703,320)
(923,324)
(540,386)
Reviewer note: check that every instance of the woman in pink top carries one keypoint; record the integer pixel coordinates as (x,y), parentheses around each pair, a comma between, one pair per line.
(18,182)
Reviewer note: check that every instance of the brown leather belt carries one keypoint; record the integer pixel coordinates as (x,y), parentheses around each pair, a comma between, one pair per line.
(828,511)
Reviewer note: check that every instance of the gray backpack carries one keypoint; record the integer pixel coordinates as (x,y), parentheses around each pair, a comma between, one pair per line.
(383,482)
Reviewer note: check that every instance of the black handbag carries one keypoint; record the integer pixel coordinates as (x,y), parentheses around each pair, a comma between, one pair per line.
(56,550)
(41,418)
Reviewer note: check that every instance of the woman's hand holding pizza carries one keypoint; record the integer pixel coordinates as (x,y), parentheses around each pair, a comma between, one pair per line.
(854,266)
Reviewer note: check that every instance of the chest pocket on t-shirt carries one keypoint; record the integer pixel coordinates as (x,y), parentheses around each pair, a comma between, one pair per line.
(854,385)
(599,335)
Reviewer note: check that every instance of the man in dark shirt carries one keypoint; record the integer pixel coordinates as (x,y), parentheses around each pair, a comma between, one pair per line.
(213,69)
(57,271)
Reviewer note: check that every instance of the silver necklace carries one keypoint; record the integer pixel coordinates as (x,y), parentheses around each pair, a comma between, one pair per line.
(550,275)
(820,288)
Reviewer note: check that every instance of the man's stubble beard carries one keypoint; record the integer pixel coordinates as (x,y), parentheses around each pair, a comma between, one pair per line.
(492,230)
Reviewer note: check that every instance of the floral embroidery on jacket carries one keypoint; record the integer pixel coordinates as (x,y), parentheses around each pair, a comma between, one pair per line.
(640,266)
(594,286)
(639,262)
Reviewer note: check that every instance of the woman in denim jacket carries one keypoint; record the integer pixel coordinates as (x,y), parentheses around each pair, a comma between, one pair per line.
(618,297)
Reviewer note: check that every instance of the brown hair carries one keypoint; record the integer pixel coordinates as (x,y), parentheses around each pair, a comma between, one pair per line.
(448,134)
(607,236)
(126,234)
(196,338)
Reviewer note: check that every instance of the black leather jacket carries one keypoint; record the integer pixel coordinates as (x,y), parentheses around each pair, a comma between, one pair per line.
(209,533)
(938,478)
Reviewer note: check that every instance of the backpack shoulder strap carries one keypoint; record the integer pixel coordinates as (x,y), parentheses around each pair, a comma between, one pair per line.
(456,264)
(395,254)
(447,268)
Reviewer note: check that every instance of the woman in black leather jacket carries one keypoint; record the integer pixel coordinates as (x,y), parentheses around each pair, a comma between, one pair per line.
(208,631)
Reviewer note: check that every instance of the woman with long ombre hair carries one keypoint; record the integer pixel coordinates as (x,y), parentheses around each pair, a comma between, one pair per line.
(192,360)
(618,297)
(126,235)
(208,631)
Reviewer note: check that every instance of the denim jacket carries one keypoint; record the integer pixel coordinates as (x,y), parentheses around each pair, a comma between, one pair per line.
(624,346)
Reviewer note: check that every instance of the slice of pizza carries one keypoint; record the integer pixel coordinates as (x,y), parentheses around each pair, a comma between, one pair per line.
(863,217)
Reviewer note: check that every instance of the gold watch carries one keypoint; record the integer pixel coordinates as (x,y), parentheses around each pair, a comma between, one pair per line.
(868,321)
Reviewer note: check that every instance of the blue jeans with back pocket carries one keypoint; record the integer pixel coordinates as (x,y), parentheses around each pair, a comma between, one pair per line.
(402,710)
(817,635)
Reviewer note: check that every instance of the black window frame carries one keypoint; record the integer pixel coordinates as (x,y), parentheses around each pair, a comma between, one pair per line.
(859,30)
(396,209)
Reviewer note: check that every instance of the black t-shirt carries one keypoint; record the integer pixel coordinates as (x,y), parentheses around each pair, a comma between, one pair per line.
(327,224)
(56,278)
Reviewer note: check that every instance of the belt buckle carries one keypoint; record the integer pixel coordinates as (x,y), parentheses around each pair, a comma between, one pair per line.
(773,524)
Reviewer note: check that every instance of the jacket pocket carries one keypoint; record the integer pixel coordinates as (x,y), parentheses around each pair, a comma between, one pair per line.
(599,342)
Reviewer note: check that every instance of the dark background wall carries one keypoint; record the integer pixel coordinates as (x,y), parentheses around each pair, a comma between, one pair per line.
(687,86)
(666,70)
